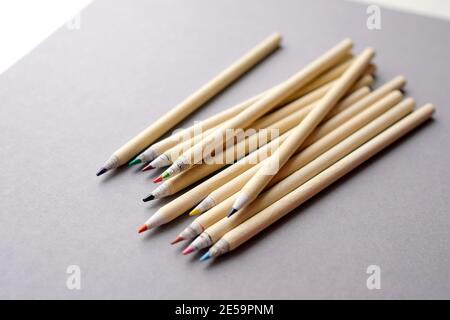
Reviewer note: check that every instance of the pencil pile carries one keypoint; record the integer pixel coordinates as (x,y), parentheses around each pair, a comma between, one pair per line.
(262,158)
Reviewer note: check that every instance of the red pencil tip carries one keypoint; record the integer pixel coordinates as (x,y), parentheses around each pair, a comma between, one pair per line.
(157,180)
(188,250)
(147,167)
(143,228)
(177,239)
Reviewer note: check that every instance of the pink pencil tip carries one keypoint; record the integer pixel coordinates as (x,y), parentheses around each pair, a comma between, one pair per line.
(147,167)
(188,250)
(157,180)
(143,228)
(177,239)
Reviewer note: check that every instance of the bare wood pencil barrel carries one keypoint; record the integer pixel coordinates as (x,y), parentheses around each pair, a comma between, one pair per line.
(262,106)
(174,116)
(306,155)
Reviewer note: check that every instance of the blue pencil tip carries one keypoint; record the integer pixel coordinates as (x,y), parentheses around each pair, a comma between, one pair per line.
(206,256)
(232,211)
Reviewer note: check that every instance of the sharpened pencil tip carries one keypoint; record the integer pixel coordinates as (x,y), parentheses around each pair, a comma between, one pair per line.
(232,211)
(206,256)
(101,171)
(148,198)
(195,212)
(147,167)
(143,228)
(134,161)
(177,239)
(165,175)
(188,250)
(157,180)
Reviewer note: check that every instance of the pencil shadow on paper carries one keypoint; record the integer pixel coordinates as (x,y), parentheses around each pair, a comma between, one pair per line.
(308,207)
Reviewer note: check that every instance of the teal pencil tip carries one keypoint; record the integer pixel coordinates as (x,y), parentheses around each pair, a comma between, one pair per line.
(206,256)
(134,161)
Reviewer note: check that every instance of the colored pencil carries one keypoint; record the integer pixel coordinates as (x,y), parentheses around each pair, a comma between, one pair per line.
(259,108)
(306,156)
(160,147)
(262,177)
(169,155)
(193,102)
(248,145)
(303,174)
(195,195)
(257,223)
(349,107)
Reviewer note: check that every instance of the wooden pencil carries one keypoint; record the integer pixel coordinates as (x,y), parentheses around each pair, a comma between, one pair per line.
(216,230)
(333,75)
(260,136)
(324,80)
(323,83)
(234,185)
(259,108)
(167,158)
(196,194)
(257,223)
(374,103)
(316,90)
(192,197)
(186,201)
(248,145)
(263,176)
(193,102)
(337,132)
(314,96)
(159,147)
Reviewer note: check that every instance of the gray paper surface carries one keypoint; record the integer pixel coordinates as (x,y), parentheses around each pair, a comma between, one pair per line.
(83,92)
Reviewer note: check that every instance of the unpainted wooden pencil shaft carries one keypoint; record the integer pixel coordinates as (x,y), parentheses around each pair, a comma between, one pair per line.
(262,106)
(174,152)
(271,214)
(276,161)
(302,173)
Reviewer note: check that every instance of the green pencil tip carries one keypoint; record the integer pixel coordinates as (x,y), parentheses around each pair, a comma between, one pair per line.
(134,161)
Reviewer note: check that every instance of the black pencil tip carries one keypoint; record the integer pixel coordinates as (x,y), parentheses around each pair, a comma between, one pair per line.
(232,211)
(102,171)
(148,198)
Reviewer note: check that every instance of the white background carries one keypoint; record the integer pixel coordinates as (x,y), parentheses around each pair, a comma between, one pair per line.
(433,8)
(25,23)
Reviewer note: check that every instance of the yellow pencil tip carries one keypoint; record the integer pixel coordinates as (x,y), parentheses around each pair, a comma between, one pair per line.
(195,212)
